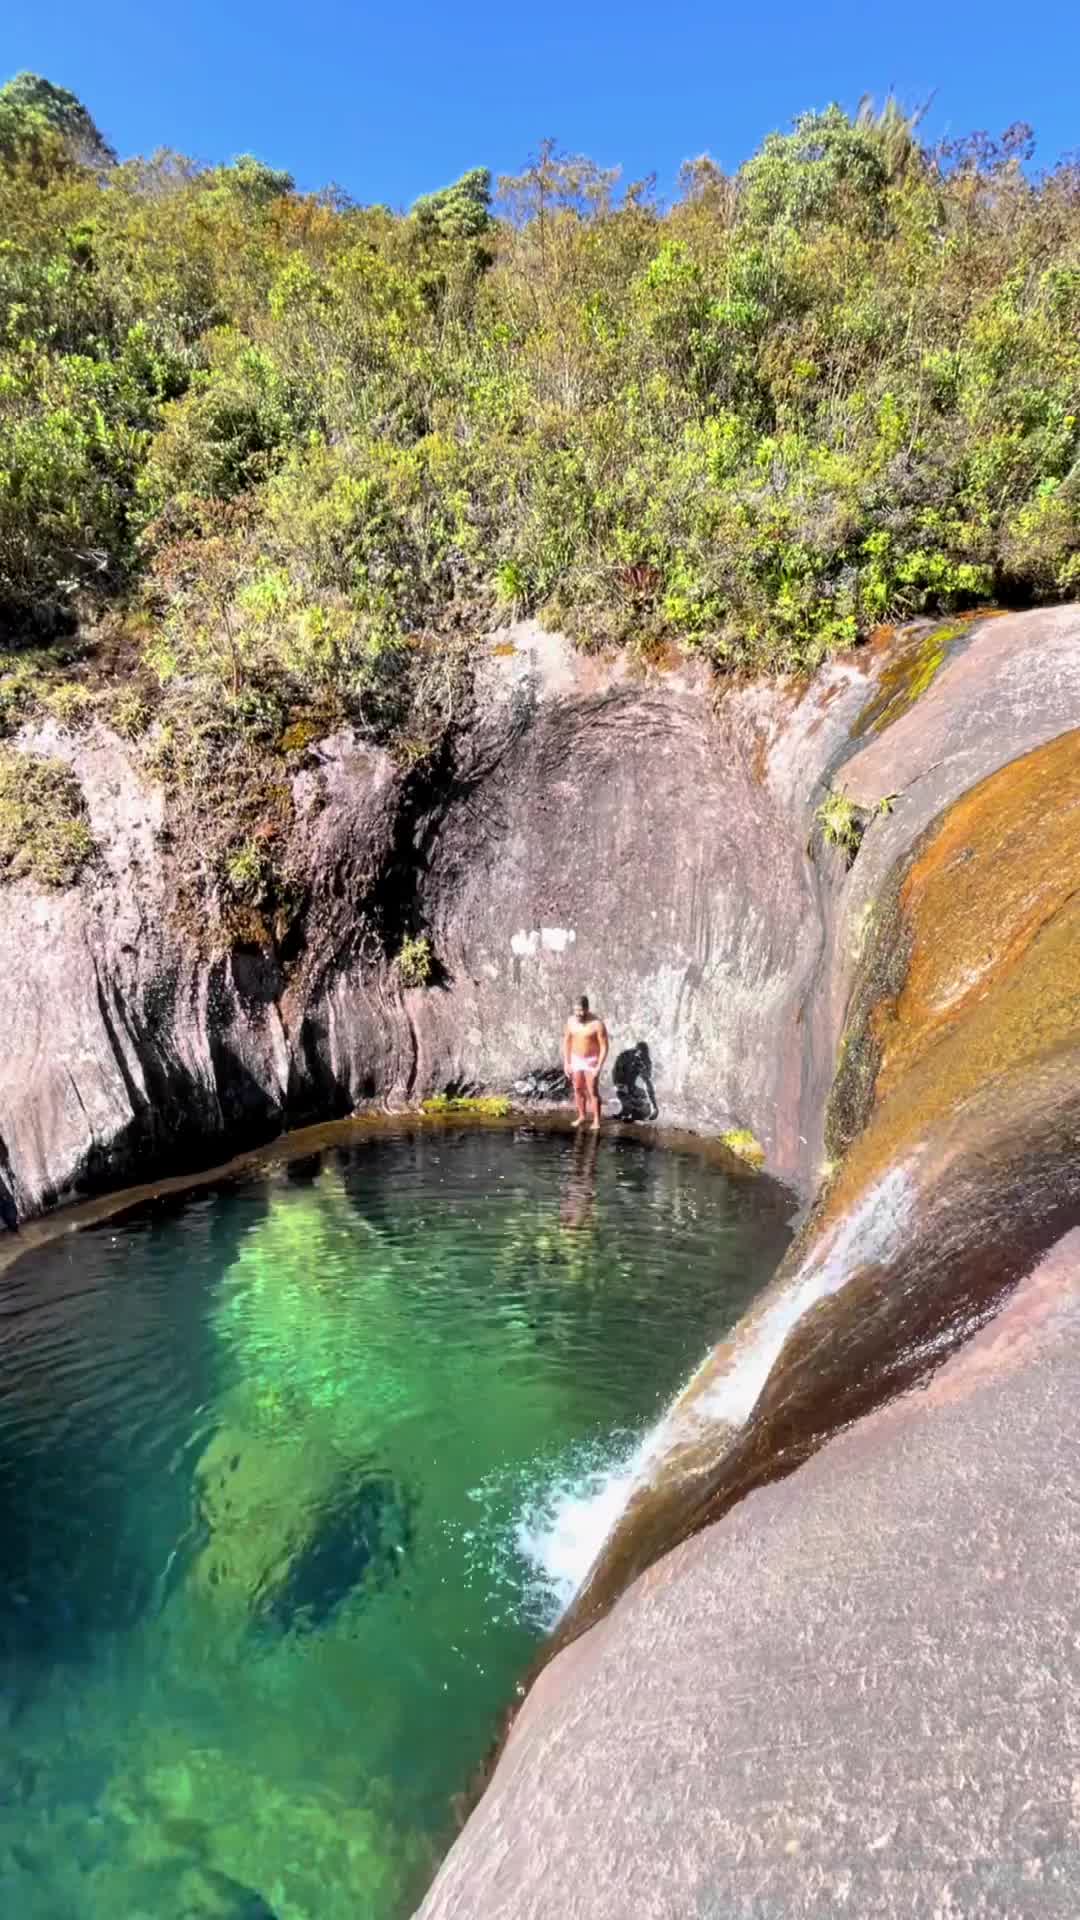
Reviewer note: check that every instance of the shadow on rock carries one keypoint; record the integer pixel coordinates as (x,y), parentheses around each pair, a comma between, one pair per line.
(633,1078)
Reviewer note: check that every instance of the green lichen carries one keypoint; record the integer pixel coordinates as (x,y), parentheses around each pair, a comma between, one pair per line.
(907,677)
(740,1141)
(482,1106)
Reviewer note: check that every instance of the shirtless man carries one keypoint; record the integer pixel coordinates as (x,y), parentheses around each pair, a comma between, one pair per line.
(585,1048)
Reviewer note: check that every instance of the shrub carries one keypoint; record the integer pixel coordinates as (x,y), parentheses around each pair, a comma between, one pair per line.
(129,712)
(70,702)
(246,870)
(323,445)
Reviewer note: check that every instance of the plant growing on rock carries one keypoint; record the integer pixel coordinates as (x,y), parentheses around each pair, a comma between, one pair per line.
(841,823)
(44,831)
(744,1145)
(415,962)
(478,1106)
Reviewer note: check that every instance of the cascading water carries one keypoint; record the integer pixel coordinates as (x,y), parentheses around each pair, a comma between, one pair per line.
(581,1519)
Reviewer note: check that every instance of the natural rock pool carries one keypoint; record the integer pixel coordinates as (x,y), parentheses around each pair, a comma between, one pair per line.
(294,1472)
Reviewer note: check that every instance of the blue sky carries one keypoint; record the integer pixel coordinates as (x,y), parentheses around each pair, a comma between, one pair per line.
(390,101)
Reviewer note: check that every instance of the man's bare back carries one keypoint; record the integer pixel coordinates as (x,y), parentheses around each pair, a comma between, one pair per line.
(585,1049)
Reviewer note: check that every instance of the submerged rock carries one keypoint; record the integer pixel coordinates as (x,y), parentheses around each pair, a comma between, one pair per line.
(361,1538)
(239,1845)
(293,1519)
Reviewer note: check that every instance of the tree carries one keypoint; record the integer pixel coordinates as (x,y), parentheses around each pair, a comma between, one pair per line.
(555,182)
(458,212)
(829,164)
(33,110)
(251,180)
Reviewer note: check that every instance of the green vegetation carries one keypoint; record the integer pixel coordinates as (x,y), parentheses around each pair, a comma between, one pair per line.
(908,675)
(841,822)
(48,127)
(291,454)
(746,1145)
(480,1106)
(415,962)
(43,826)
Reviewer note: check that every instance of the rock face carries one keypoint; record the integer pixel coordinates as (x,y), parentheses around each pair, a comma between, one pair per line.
(841,1673)
(589,829)
(857,1694)
(960,1078)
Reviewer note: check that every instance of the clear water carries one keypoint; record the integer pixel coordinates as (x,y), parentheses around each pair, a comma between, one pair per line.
(280,1476)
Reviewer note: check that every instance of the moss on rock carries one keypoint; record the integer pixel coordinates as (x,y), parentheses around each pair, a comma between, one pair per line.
(740,1141)
(482,1106)
(908,676)
(44,831)
(972,970)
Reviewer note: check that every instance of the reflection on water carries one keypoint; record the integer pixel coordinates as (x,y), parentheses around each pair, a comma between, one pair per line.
(274,1466)
(579,1186)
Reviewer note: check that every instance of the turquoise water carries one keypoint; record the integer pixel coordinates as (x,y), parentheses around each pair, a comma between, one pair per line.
(289,1473)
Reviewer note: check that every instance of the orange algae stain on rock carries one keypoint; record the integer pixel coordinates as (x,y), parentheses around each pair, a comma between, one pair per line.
(1006,859)
(992,910)
(992,906)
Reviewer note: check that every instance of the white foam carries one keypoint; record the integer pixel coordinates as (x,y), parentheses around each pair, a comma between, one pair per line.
(874,1231)
(566,1522)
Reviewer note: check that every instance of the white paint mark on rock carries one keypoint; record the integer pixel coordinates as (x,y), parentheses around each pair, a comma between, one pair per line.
(551,939)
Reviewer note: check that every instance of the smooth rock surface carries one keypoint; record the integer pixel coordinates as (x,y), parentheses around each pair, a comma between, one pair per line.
(589,831)
(591,828)
(959,1085)
(857,1694)
(959,1091)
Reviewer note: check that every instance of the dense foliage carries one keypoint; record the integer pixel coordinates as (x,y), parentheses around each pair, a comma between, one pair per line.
(309,448)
